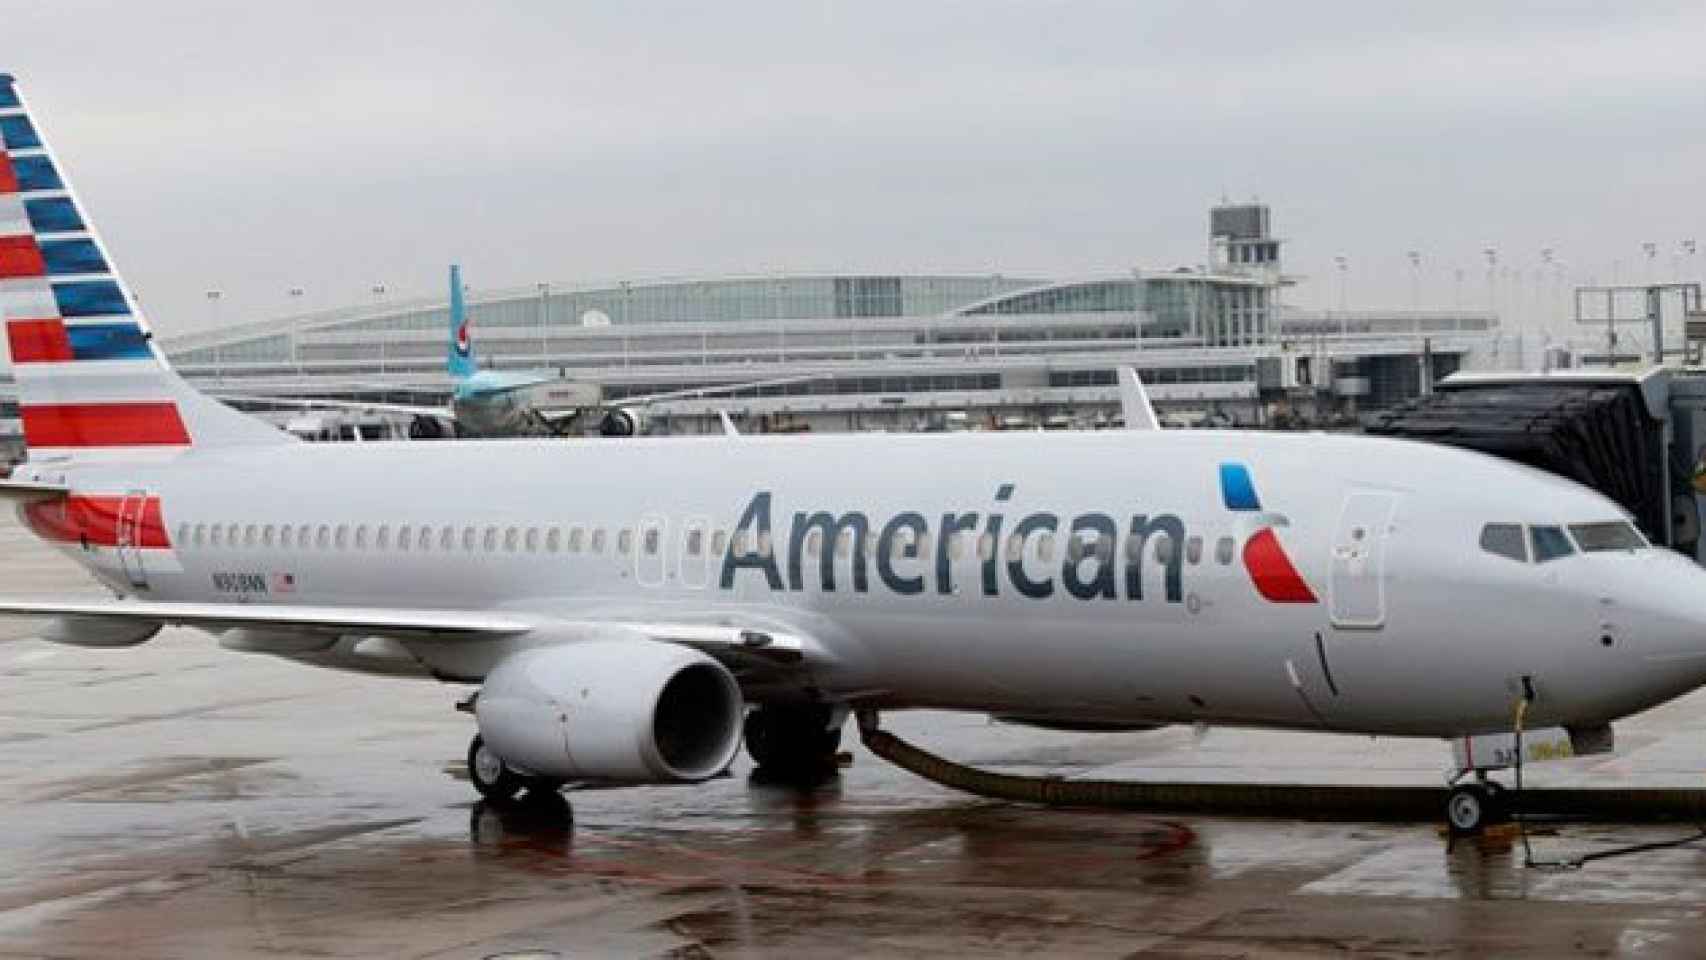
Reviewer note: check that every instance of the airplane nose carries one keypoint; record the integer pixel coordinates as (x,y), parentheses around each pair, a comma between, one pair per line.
(1666,616)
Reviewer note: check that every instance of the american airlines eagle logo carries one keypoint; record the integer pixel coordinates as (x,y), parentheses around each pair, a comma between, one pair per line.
(1270,568)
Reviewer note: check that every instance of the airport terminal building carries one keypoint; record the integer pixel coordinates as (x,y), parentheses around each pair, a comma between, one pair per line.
(1214,342)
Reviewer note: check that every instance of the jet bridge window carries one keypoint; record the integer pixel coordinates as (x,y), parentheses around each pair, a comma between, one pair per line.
(1550,543)
(1505,540)
(553,540)
(1609,535)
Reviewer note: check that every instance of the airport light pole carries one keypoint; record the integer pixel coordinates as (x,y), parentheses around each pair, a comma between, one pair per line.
(1343,266)
(544,314)
(378,290)
(1415,258)
(213,298)
(1651,249)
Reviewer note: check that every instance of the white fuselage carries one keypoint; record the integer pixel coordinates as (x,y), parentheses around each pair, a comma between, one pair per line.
(1413,628)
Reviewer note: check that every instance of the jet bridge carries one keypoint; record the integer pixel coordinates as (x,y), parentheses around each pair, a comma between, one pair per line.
(1637,437)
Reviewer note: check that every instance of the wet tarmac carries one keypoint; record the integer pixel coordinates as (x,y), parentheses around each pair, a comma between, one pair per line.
(176,800)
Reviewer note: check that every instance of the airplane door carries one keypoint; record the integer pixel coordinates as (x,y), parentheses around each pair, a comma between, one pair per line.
(1356,584)
(128,530)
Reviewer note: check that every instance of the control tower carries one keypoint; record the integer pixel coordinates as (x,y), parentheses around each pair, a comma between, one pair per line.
(1241,242)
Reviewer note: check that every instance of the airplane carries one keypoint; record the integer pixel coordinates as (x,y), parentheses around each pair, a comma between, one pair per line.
(631,612)
(506,403)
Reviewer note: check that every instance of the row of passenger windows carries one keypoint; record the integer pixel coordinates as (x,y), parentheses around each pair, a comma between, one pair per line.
(425,538)
(1541,543)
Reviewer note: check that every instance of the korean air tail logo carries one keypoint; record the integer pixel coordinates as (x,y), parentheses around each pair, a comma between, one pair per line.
(1271,570)
(462,343)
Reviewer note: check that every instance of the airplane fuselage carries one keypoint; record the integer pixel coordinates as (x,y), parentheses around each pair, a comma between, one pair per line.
(1112,577)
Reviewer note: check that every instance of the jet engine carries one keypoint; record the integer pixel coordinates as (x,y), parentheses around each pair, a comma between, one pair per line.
(627,710)
(622,422)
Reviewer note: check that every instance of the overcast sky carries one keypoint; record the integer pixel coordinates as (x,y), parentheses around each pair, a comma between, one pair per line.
(252,148)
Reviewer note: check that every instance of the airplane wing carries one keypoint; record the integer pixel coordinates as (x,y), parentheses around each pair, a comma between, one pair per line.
(219,616)
(1134,402)
(314,403)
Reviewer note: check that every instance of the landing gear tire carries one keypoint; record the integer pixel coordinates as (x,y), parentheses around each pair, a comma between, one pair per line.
(1472,806)
(486,771)
(792,741)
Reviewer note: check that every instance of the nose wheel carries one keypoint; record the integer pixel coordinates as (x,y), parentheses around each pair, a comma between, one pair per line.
(1470,807)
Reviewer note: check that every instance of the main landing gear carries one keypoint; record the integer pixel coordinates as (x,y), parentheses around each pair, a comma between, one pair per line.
(794,742)
(496,781)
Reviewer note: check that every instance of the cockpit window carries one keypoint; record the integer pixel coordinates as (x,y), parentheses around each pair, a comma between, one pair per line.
(1610,535)
(1550,543)
(1504,539)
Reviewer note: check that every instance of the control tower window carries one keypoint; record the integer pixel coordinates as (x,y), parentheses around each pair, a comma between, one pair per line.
(1550,543)
(1505,540)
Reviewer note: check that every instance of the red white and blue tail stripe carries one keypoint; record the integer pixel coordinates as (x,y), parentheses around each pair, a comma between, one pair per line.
(90,379)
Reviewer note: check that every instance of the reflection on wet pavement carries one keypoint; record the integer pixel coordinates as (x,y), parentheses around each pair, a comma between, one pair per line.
(180,801)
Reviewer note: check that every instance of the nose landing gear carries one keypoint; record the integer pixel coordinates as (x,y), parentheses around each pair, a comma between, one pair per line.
(1471,807)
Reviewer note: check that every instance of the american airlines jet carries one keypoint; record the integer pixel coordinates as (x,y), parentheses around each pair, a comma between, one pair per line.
(627,608)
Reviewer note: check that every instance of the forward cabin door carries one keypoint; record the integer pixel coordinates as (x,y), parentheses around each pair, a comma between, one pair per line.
(1356,586)
(129,537)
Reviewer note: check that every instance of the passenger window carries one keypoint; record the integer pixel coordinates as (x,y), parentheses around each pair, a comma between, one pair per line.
(719,543)
(553,540)
(382,537)
(1164,549)
(814,542)
(1193,550)
(598,540)
(302,534)
(250,535)
(624,541)
(1015,548)
(426,539)
(652,537)
(695,540)
(1045,547)
(1504,540)
(739,546)
(986,547)
(1134,550)
(1549,543)
(844,544)
(1223,551)
(764,544)
(1076,547)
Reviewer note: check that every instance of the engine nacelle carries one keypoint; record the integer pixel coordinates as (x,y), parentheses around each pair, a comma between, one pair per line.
(622,422)
(99,631)
(627,710)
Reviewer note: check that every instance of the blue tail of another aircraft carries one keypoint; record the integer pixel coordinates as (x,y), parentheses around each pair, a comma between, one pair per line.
(461,363)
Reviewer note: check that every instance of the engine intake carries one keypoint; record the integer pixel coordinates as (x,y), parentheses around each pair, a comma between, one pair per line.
(626,710)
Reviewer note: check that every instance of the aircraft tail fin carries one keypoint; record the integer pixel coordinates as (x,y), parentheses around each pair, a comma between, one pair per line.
(91,380)
(461,363)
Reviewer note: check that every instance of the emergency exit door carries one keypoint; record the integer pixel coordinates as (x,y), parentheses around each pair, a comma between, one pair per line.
(1356,587)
